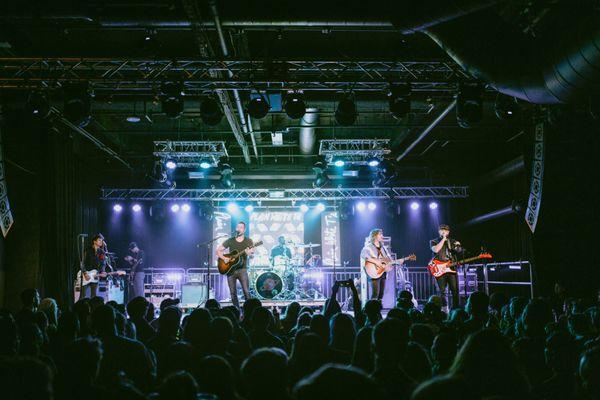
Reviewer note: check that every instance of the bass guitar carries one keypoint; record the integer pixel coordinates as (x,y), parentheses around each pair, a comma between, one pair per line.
(235,259)
(438,268)
(376,271)
(93,276)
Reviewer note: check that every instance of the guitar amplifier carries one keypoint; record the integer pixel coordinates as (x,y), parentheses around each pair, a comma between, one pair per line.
(193,294)
(471,283)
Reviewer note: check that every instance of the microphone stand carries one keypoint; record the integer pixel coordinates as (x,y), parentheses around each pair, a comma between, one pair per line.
(209,245)
(81,264)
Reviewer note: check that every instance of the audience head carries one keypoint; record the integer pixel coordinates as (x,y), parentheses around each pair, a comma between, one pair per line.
(221,331)
(137,308)
(214,375)
(103,321)
(266,367)
(177,357)
(197,326)
(82,361)
(320,326)
(248,308)
(443,351)
(404,300)
(589,371)
(304,320)
(68,326)
(422,334)
(362,356)
(497,301)
(261,319)
(536,315)
(96,302)
(336,382)
(169,321)
(32,340)
(49,307)
(25,378)
(418,358)
(178,386)
(561,352)
(342,332)
(372,310)
(389,338)
(444,388)
(477,305)
(212,304)
(30,299)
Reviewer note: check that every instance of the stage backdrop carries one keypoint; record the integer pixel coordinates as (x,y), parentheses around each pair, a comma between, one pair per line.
(269,225)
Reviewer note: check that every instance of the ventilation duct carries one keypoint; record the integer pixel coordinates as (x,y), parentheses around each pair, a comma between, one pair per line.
(561,67)
(308,137)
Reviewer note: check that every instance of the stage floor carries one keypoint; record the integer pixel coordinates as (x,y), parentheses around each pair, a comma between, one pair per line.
(270,303)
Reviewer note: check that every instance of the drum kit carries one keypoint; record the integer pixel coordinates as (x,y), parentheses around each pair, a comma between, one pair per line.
(295,278)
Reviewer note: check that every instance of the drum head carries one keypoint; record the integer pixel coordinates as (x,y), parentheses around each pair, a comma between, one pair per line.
(269,285)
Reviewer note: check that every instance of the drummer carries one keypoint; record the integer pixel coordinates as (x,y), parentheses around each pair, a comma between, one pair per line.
(280,250)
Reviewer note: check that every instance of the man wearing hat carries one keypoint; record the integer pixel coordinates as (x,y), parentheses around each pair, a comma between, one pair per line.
(136,259)
(445,249)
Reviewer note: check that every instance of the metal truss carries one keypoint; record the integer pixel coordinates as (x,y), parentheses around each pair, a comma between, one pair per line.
(190,153)
(144,76)
(353,151)
(325,194)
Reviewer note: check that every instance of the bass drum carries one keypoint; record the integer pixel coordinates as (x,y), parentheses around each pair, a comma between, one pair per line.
(269,285)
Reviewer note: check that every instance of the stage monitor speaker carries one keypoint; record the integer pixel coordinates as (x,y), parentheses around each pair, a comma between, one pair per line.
(193,294)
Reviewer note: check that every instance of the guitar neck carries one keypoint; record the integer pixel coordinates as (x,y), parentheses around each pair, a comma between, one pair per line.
(466,260)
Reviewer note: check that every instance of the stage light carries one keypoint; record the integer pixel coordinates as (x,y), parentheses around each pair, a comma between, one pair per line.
(433,205)
(210,112)
(294,105)
(186,207)
(249,208)
(205,164)
(117,208)
(78,103)
(173,276)
(373,162)
(345,112)
(37,105)
(360,206)
(226,176)
(175,208)
(507,108)
(136,208)
(320,207)
(172,100)
(399,100)
(321,177)
(338,162)
(133,119)
(303,207)
(232,207)
(469,104)
(372,206)
(414,205)
(258,107)
(170,164)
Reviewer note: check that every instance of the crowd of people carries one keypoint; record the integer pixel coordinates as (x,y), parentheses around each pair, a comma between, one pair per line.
(494,348)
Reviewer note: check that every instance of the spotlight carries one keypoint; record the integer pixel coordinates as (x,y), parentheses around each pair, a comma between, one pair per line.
(321,177)
(345,113)
(205,164)
(172,101)
(373,162)
(249,208)
(303,207)
(414,205)
(170,164)
(320,207)
(360,206)
(210,112)
(175,208)
(232,207)
(469,104)
(226,175)
(133,119)
(78,103)
(136,208)
(433,205)
(186,207)
(117,208)
(372,206)
(399,100)
(37,105)
(258,107)
(507,108)
(338,162)
(294,105)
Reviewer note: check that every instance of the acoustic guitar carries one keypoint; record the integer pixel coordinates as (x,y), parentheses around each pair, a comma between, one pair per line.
(376,271)
(235,259)
(438,268)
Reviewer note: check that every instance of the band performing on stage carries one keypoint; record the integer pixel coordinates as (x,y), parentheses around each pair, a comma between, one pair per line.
(293,273)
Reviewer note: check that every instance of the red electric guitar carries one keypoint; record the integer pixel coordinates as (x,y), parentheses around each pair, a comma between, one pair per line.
(438,268)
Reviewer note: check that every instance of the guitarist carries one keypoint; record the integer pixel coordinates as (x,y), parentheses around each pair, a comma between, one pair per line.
(95,258)
(239,272)
(374,251)
(445,249)
(136,259)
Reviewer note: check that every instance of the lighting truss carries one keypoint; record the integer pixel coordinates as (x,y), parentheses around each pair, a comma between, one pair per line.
(143,77)
(323,194)
(354,151)
(190,153)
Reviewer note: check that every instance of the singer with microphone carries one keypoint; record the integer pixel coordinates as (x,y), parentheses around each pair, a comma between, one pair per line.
(95,258)
(445,248)
(239,243)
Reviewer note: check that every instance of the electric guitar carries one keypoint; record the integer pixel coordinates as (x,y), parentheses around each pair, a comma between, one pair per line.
(235,259)
(94,276)
(376,271)
(438,268)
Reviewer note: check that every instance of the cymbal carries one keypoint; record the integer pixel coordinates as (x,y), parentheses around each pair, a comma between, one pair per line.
(307,245)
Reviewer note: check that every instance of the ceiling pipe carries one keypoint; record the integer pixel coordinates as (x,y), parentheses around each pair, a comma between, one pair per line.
(427,130)
(307,136)
(236,94)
